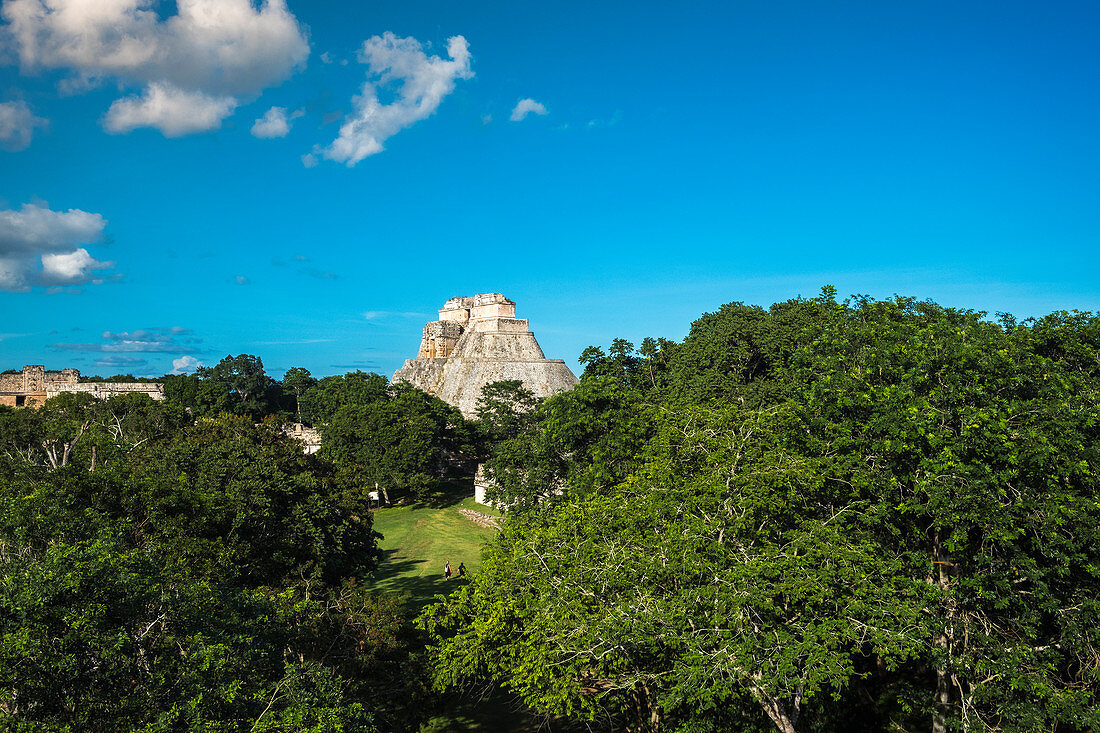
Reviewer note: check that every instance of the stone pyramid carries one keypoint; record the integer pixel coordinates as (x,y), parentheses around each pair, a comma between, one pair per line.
(476,341)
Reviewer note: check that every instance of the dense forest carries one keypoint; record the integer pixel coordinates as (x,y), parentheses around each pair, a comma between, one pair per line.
(820,516)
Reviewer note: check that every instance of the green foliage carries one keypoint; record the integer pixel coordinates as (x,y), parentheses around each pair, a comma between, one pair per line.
(719,574)
(868,515)
(231,499)
(405,441)
(645,369)
(321,401)
(579,442)
(199,396)
(297,381)
(244,379)
(505,410)
(741,352)
(177,576)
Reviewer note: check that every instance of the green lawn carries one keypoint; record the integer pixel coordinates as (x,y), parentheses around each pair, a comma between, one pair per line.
(419,539)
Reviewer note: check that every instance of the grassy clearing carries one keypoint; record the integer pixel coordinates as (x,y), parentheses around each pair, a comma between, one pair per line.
(419,539)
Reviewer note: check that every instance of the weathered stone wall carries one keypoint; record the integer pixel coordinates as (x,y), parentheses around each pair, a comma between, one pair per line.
(34,377)
(513,325)
(310,438)
(439,339)
(493,346)
(105,390)
(34,385)
(21,400)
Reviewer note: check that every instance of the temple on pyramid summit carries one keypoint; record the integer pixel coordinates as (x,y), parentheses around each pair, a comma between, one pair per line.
(476,341)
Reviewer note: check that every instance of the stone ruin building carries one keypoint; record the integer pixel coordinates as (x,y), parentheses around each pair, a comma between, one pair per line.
(476,341)
(34,385)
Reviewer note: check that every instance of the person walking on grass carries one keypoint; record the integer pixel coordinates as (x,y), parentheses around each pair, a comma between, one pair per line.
(447,570)
(462,570)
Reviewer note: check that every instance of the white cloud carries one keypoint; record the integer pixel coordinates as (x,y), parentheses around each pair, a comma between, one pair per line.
(420,84)
(35,234)
(34,228)
(17,124)
(274,123)
(525,107)
(73,268)
(211,50)
(326,58)
(241,280)
(185,364)
(141,341)
(171,110)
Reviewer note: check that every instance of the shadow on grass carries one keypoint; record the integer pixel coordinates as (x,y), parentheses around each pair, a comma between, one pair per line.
(396,575)
(445,494)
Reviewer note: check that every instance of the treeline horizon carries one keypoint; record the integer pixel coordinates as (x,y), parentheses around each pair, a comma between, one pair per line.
(831,516)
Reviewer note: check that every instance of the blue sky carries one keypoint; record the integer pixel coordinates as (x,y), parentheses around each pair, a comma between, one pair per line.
(671,159)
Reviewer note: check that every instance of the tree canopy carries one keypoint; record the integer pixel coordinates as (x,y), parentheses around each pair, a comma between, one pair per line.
(822,516)
(163,573)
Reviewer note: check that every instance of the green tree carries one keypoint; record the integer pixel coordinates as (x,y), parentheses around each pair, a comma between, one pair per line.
(241,501)
(578,442)
(724,575)
(200,397)
(505,410)
(885,518)
(407,442)
(243,377)
(980,445)
(296,381)
(153,593)
(321,401)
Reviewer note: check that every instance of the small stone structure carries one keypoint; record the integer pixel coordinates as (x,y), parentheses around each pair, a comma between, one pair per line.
(310,438)
(476,341)
(34,385)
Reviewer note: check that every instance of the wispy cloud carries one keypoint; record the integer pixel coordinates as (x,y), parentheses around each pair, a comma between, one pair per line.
(421,82)
(356,365)
(173,111)
(291,343)
(525,107)
(160,340)
(116,361)
(17,125)
(381,315)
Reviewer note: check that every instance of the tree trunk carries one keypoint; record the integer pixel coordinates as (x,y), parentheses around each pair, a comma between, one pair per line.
(645,716)
(942,570)
(785,721)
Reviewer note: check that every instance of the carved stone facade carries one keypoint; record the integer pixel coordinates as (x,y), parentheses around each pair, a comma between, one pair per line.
(34,385)
(310,438)
(476,341)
